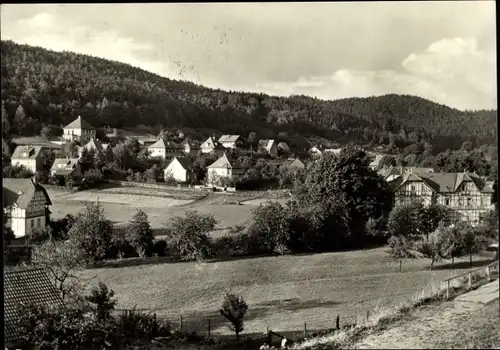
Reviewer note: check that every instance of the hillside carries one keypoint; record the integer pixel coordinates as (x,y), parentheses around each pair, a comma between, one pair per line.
(54,87)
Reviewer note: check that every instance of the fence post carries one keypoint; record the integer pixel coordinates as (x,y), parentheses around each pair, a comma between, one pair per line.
(367,314)
(305,329)
(469,284)
(488,272)
(209,329)
(181,324)
(447,289)
(338,321)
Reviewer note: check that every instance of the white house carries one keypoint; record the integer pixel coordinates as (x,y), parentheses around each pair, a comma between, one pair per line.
(180,169)
(164,149)
(269,146)
(78,131)
(231,141)
(5,149)
(316,151)
(190,147)
(211,145)
(94,145)
(222,168)
(283,147)
(66,167)
(30,157)
(26,205)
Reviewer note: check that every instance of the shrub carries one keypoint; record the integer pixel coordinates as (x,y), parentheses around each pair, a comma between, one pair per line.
(160,247)
(140,234)
(133,324)
(101,298)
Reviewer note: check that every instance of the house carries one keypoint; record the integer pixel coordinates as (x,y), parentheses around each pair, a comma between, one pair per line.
(467,196)
(165,149)
(190,147)
(181,170)
(26,286)
(283,147)
(78,131)
(211,145)
(316,151)
(30,157)
(94,145)
(269,146)
(332,150)
(231,141)
(26,204)
(376,159)
(5,149)
(294,164)
(67,167)
(390,173)
(222,167)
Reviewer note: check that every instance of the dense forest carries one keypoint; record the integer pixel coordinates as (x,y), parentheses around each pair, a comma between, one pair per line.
(42,87)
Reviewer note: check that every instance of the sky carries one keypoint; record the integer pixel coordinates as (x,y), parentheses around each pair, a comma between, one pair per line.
(442,51)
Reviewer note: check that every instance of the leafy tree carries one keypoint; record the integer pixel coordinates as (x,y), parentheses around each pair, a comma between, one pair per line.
(140,234)
(102,299)
(8,234)
(403,221)
(453,246)
(188,235)
(431,246)
(5,121)
(270,224)
(61,260)
(472,240)
(92,233)
(401,248)
(234,309)
(17,171)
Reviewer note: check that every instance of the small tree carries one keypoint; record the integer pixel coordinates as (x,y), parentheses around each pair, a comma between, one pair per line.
(431,246)
(401,248)
(140,234)
(472,240)
(452,244)
(61,260)
(101,297)
(188,235)
(234,309)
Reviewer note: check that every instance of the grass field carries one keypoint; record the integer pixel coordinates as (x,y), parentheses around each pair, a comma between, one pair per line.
(282,292)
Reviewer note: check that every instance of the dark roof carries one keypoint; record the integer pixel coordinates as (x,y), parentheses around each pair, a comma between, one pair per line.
(184,161)
(26,152)
(21,191)
(442,182)
(79,123)
(25,287)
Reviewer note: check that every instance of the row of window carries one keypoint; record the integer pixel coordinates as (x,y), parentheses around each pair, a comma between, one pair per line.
(38,223)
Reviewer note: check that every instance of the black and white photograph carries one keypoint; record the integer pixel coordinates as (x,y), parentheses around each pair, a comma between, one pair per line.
(250,175)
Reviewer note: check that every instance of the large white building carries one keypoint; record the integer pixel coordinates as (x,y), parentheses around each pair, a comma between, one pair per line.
(165,149)
(79,131)
(180,169)
(231,141)
(26,205)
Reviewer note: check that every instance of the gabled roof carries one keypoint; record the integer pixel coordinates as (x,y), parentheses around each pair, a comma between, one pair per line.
(20,192)
(25,287)
(27,152)
(190,143)
(284,146)
(96,145)
(399,170)
(378,158)
(267,144)
(294,163)
(185,162)
(229,138)
(211,143)
(161,143)
(222,162)
(64,166)
(79,123)
(442,182)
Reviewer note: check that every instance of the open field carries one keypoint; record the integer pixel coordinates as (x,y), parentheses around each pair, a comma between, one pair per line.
(282,292)
(120,204)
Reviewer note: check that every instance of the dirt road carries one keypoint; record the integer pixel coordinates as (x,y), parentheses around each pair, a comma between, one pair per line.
(469,321)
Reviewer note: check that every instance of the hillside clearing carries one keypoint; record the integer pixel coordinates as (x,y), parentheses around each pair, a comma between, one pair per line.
(282,292)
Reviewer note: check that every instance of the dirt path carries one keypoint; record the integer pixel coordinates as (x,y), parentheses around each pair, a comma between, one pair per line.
(470,321)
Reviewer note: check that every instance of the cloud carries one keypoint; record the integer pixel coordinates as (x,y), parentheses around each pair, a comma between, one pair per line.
(450,71)
(55,33)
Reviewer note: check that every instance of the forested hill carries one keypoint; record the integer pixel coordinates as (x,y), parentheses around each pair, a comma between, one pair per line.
(54,87)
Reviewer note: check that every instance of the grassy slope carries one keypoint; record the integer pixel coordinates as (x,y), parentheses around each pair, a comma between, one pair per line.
(282,292)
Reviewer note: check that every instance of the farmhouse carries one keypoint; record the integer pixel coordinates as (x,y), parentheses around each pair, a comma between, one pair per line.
(30,157)
(5,149)
(231,141)
(24,287)
(190,147)
(164,149)
(211,145)
(392,172)
(467,196)
(26,205)
(269,146)
(67,167)
(222,168)
(78,131)
(283,147)
(94,145)
(181,170)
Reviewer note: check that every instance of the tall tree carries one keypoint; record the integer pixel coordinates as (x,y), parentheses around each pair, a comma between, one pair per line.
(140,234)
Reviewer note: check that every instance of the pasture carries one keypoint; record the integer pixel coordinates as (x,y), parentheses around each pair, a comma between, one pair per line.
(282,292)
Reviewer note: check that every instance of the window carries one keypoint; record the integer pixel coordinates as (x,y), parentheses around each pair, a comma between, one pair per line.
(32,223)
(469,201)
(38,222)
(447,201)
(413,188)
(460,201)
